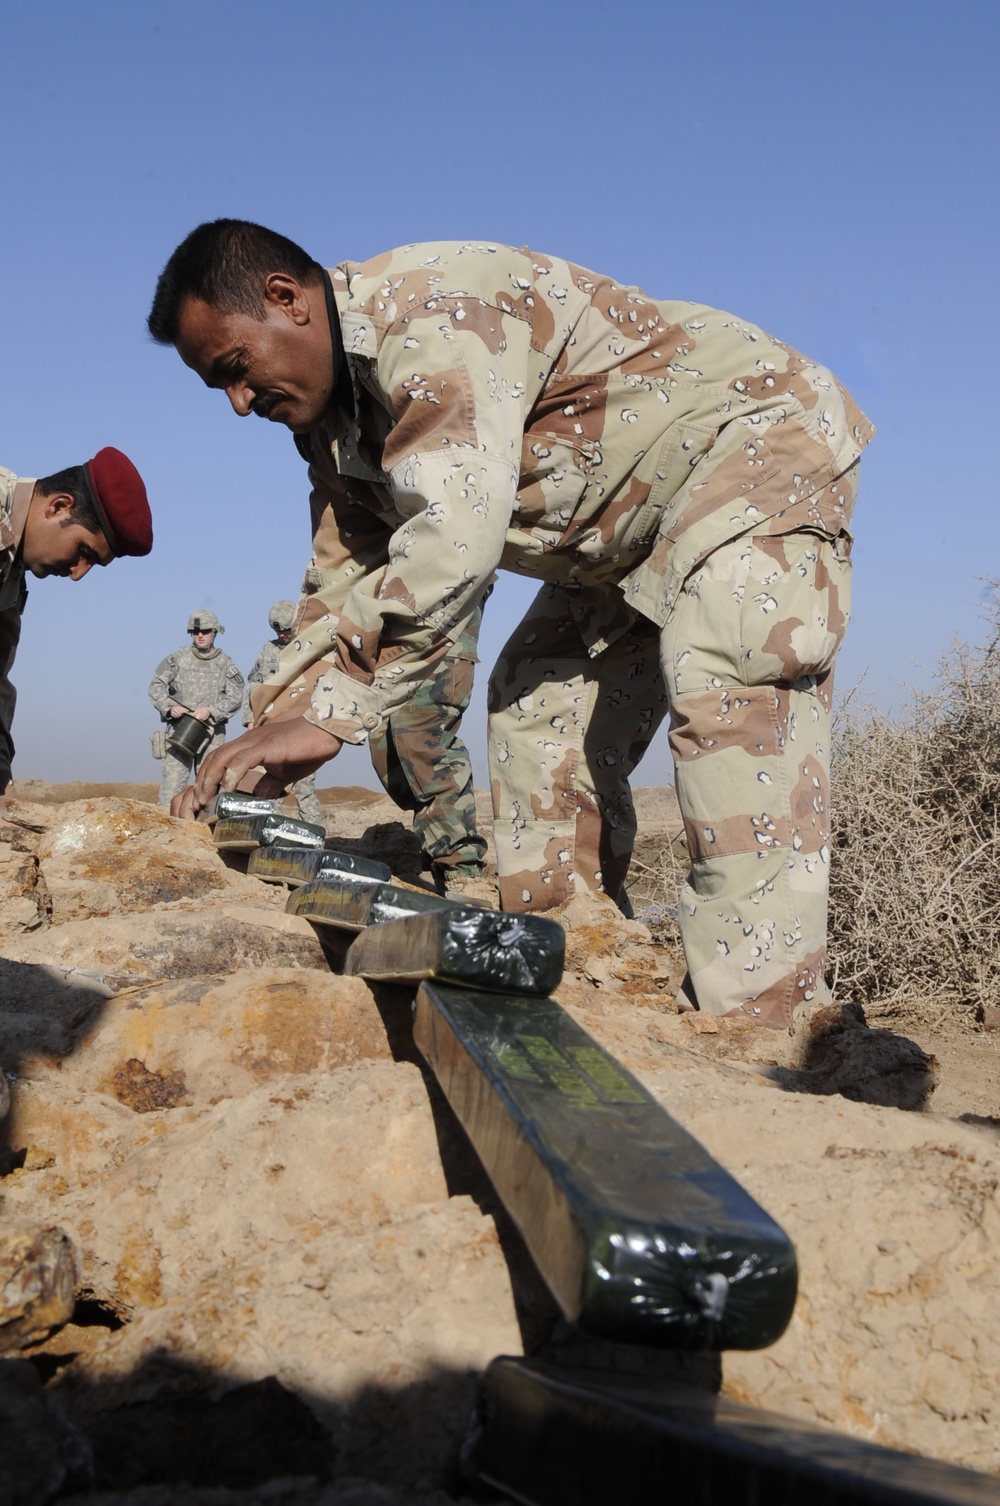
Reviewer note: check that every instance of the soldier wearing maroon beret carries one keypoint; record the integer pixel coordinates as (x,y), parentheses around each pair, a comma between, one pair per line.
(61,525)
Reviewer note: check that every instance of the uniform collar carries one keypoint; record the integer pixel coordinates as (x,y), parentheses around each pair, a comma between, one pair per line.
(24,490)
(341,377)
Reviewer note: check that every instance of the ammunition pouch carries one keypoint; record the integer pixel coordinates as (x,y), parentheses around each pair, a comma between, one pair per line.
(159,744)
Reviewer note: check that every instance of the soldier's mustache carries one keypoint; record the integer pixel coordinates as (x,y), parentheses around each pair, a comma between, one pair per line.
(265,404)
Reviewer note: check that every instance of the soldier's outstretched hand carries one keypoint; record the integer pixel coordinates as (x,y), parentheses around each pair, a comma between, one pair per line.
(266,761)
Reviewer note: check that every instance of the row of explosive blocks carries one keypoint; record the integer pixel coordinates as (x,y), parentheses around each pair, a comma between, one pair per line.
(640,1235)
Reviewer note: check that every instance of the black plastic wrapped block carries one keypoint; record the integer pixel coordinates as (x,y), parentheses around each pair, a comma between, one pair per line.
(299,865)
(352,901)
(484,948)
(546,1436)
(393,902)
(342,901)
(235,803)
(244,833)
(639,1234)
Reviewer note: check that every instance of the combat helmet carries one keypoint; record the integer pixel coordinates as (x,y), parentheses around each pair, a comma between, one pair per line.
(282,616)
(204,621)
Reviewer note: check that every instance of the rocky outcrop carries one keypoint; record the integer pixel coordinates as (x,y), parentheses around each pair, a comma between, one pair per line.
(278,1229)
(38,1281)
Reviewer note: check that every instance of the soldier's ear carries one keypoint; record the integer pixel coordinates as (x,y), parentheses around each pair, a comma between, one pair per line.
(58,505)
(286,294)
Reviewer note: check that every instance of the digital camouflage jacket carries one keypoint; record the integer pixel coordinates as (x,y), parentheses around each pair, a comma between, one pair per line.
(189,679)
(501,408)
(264,667)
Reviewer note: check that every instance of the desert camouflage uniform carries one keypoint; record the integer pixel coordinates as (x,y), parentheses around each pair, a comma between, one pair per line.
(190,679)
(15,492)
(675,477)
(417,751)
(304,791)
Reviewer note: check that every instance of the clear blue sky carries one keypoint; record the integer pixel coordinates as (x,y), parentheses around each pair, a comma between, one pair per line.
(829,172)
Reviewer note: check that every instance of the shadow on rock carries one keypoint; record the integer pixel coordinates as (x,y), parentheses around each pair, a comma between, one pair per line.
(42,1013)
(174,1425)
(183,1429)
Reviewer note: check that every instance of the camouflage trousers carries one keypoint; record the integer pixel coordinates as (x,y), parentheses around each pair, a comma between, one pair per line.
(745,668)
(307,800)
(425,766)
(179,768)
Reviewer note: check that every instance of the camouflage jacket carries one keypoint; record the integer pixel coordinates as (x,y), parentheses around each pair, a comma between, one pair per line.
(264,667)
(15,494)
(502,408)
(189,679)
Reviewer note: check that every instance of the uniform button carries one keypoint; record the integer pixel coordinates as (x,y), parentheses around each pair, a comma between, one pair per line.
(370,720)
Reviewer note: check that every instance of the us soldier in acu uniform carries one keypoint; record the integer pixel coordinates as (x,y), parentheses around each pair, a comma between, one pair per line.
(61,525)
(201,681)
(680,483)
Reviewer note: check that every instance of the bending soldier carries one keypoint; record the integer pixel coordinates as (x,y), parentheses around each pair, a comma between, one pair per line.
(63,525)
(197,682)
(680,483)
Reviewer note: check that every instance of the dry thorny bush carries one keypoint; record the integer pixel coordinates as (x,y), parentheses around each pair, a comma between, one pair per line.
(915,874)
(915,891)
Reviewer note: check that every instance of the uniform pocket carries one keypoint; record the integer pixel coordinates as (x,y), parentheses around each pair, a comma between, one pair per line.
(796,606)
(553,478)
(685,445)
(762,609)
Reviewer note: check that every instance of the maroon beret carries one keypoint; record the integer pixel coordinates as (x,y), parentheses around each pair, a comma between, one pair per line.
(119,497)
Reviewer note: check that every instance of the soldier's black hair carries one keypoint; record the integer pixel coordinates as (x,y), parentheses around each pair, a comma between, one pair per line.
(73,481)
(225,263)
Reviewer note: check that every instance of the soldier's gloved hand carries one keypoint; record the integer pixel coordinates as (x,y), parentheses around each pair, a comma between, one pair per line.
(286,751)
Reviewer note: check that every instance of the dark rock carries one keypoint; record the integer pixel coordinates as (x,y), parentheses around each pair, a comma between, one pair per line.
(42,1455)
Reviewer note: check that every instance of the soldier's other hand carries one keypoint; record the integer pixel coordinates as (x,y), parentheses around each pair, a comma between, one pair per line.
(286,751)
(176,711)
(183,805)
(203,713)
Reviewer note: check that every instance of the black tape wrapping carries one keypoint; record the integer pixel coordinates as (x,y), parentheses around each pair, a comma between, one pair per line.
(236,803)
(486,948)
(352,901)
(638,1232)
(300,865)
(244,833)
(547,1434)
